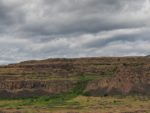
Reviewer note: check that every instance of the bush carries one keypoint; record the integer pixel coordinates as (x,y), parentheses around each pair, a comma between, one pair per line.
(86,94)
(44,98)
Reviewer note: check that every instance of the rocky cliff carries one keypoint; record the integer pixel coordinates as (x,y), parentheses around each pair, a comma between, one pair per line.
(52,76)
(126,81)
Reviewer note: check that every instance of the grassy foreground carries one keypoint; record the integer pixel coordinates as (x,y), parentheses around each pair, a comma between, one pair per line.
(78,104)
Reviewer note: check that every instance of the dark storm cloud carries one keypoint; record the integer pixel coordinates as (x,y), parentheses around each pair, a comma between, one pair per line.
(87,16)
(10,17)
(39,29)
(67,17)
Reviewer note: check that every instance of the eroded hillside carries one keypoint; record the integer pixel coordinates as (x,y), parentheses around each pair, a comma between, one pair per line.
(107,76)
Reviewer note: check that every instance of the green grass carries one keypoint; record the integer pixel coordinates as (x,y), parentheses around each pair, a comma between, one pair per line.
(77,103)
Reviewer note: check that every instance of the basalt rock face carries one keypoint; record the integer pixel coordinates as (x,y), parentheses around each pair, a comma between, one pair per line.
(127,81)
(52,76)
(51,86)
(28,88)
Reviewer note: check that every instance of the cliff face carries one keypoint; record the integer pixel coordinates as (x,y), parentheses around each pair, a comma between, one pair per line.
(25,88)
(127,81)
(52,76)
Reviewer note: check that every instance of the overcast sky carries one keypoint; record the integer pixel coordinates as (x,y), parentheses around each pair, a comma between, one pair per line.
(38,29)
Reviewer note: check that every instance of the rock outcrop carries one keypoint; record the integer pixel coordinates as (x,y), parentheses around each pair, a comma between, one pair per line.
(127,81)
(52,76)
(28,88)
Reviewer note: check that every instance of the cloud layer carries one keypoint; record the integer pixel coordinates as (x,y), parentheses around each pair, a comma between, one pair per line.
(38,29)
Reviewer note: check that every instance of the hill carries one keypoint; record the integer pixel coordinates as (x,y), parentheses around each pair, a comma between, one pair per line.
(69,78)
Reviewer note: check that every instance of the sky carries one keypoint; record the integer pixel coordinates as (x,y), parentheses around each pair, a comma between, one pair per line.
(39,29)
